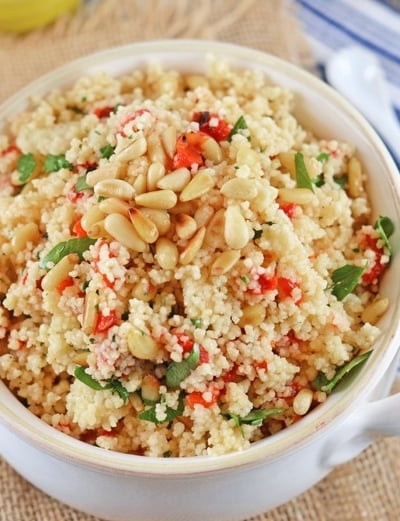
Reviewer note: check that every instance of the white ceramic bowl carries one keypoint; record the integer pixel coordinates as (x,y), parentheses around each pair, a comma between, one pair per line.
(123,487)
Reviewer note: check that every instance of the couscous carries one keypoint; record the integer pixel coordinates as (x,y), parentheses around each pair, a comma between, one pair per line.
(185,268)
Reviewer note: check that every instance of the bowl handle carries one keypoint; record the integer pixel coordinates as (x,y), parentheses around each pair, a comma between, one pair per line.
(372,420)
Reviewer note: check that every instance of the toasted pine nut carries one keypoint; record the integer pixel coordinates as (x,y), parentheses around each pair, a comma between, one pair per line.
(214,237)
(126,152)
(239,188)
(187,207)
(142,346)
(160,218)
(166,253)
(91,217)
(155,150)
(114,188)
(253,315)
(373,312)
(185,225)
(225,262)
(159,199)
(150,389)
(176,180)
(155,172)
(27,233)
(59,272)
(80,358)
(302,401)
(89,316)
(114,205)
(144,290)
(355,178)
(123,231)
(144,226)
(108,171)
(211,150)
(168,140)
(236,232)
(97,231)
(193,246)
(140,184)
(302,196)
(200,184)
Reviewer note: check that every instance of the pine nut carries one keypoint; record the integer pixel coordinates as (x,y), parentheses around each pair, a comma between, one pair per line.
(91,217)
(114,188)
(159,199)
(144,290)
(27,233)
(97,231)
(132,150)
(175,181)
(215,230)
(142,346)
(168,140)
(160,218)
(123,231)
(211,150)
(236,233)
(302,401)
(201,183)
(166,254)
(114,205)
(155,172)
(239,188)
(187,207)
(150,389)
(224,262)
(155,149)
(373,312)
(59,272)
(193,246)
(203,215)
(89,316)
(302,196)
(253,315)
(185,225)
(145,227)
(355,178)
(109,171)
(140,184)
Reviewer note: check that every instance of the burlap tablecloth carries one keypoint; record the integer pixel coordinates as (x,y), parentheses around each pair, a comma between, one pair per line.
(367,488)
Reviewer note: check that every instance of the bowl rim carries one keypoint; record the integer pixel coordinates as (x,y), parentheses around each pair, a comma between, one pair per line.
(33,430)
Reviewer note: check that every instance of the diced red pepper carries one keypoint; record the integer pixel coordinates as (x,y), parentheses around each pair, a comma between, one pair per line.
(286,287)
(65,283)
(264,283)
(77,228)
(104,322)
(189,150)
(73,196)
(260,365)
(130,118)
(187,345)
(374,272)
(103,112)
(87,166)
(289,209)
(197,398)
(212,125)
(10,150)
(230,375)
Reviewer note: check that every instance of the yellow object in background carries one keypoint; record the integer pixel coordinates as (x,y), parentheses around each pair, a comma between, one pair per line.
(20,16)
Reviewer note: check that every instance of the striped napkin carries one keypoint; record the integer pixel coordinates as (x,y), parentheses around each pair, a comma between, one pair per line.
(372,24)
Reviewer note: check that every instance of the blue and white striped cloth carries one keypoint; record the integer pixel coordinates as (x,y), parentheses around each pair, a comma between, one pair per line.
(373,24)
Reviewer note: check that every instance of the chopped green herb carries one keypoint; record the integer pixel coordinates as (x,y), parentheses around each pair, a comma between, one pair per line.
(322,383)
(197,322)
(303,179)
(178,371)
(81,184)
(323,157)
(170,413)
(340,180)
(245,279)
(345,279)
(54,163)
(257,234)
(77,245)
(385,227)
(107,151)
(114,385)
(25,166)
(319,180)
(255,417)
(101,198)
(240,124)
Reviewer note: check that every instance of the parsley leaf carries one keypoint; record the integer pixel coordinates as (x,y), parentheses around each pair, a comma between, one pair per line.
(54,163)
(151,416)
(77,245)
(112,384)
(303,179)
(81,184)
(240,124)
(345,279)
(107,151)
(385,227)
(178,371)
(25,166)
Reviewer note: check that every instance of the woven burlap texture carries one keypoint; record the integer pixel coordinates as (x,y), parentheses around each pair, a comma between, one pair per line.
(366,489)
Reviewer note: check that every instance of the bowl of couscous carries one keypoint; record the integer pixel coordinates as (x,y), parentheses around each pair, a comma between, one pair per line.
(199,249)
